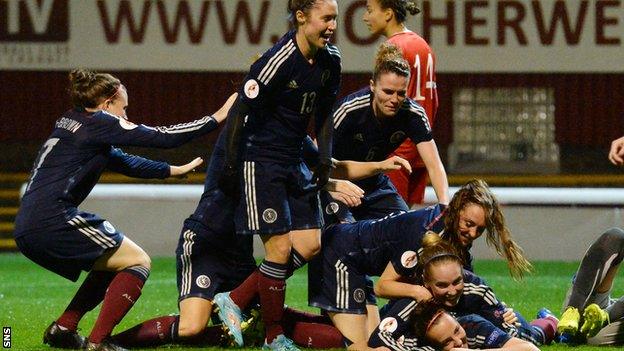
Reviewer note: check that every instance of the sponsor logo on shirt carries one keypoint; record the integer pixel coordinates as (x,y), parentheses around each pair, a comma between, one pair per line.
(293,84)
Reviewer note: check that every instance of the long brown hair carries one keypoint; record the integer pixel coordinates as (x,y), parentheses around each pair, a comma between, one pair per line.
(498,235)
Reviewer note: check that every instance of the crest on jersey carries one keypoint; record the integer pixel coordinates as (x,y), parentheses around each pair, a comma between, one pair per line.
(125,124)
(269,215)
(389,325)
(409,259)
(358,295)
(359,137)
(324,77)
(397,137)
(251,89)
(203,281)
(332,208)
(108,227)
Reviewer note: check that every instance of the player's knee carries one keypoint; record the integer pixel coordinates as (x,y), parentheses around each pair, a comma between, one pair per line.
(279,251)
(189,329)
(612,238)
(144,260)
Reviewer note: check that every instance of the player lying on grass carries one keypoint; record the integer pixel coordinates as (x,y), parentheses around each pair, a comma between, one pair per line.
(589,311)
(211,258)
(51,230)
(431,327)
(464,295)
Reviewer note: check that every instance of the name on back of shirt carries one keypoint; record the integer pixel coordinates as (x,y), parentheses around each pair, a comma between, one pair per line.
(68,124)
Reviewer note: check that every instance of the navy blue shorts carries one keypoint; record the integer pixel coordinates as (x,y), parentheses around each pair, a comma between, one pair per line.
(336,284)
(71,247)
(209,263)
(277,198)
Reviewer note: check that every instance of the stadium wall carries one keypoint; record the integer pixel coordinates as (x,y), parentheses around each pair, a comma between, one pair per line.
(588,112)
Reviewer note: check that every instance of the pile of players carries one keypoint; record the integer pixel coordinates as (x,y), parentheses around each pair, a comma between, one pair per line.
(324,202)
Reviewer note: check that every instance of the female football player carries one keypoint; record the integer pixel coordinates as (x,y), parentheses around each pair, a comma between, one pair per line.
(212,259)
(387,18)
(372,122)
(277,194)
(464,294)
(387,248)
(432,327)
(54,233)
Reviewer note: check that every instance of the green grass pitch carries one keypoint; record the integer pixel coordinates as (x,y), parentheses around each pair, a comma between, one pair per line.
(31,297)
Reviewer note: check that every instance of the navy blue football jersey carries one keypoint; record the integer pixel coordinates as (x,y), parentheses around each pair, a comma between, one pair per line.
(360,136)
(396,330)
(396,238)
(284,90)
(81,146)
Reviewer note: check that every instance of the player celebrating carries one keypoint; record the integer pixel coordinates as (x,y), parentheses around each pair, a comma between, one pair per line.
(387,248)
(296,79)
(387,18)
(590,294)
(466,296)
(51,231)
(372,122)
(211,259)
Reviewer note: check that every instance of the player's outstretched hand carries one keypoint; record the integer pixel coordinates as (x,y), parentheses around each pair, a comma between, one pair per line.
(181,171)
(616,154)
(394,163)
(228,181)
(222,113)
(345,192)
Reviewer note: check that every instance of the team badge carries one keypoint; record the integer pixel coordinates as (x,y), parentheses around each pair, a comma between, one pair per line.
(397,137)
(127,125)
(109,227)
(203,281)
(409,259)
(324,77)
(358,295)
(389,325)
(251,89)
(269,215)
(358,137)
(332,208)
